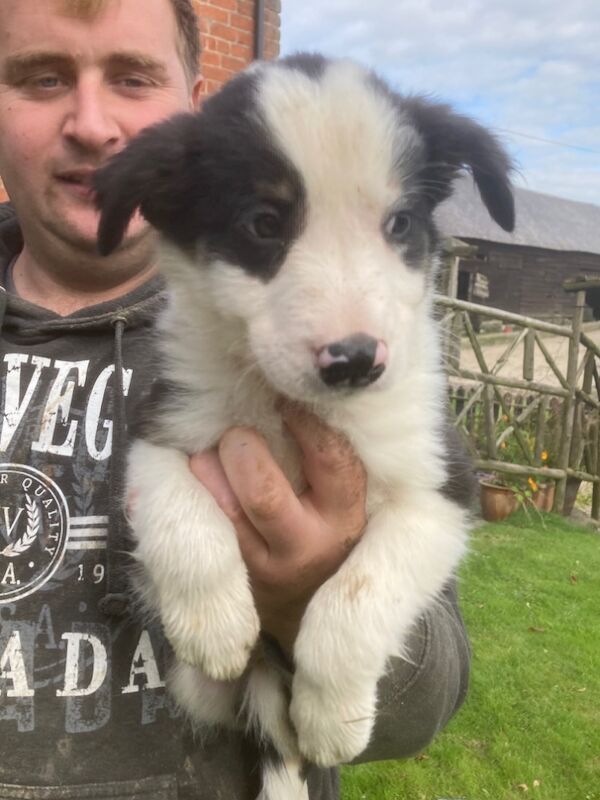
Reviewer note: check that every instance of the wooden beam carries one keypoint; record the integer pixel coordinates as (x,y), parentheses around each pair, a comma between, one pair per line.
(569,410)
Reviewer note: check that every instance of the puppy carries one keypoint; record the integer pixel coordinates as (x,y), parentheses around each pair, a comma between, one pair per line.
(299,249)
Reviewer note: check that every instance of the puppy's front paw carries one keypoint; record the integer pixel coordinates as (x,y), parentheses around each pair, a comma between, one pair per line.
(332,727)
(215,632)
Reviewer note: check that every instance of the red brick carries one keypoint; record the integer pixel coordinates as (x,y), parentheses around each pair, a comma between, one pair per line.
(223,32)
(246,7)
(244,37)
(212,58)
(216,14)
(216,73)
(241,22)
(242,51)
(233,64)
(222,46)
(229,5)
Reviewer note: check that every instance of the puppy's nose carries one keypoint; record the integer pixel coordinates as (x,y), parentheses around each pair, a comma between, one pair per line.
(355,361)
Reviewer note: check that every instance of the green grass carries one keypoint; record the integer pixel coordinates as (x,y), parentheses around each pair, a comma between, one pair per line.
(531,600)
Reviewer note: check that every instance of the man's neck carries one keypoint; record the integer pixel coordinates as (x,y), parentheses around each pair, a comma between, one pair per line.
(50,290)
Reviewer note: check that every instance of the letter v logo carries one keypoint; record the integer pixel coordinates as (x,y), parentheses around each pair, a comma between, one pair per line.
(14,406)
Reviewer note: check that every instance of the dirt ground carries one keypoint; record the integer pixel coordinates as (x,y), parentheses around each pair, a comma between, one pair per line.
(557,346)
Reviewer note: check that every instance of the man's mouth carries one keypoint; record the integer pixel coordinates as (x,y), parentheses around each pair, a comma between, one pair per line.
(79,181)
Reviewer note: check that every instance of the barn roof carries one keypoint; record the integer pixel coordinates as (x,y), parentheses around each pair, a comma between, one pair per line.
(544,221)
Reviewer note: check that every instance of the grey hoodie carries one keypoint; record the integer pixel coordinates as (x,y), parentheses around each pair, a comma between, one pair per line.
(83,708)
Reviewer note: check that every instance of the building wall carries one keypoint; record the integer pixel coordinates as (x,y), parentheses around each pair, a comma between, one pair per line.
(227,34)
(528,280)
(227,31)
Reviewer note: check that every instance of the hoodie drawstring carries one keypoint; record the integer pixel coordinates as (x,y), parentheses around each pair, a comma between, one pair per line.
(115,603)
(3,304)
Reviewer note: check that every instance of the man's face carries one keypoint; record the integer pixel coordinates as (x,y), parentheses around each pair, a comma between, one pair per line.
(74,91)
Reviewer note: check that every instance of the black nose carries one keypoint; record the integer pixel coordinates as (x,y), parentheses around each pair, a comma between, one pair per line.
(357,360)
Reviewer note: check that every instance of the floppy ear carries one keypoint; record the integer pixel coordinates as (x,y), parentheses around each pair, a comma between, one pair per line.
(454,142)
(148,174)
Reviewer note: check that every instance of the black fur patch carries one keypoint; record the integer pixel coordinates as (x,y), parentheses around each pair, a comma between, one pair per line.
(461,484)
(311,64)
(205,180)
(453,143)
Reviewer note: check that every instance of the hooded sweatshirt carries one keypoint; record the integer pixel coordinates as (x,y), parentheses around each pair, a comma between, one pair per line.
(84,712)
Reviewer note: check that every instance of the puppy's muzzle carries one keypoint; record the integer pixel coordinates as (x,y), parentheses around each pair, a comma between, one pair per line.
(355,361)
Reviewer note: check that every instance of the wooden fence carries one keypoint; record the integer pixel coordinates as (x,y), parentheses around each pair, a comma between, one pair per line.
(517,424)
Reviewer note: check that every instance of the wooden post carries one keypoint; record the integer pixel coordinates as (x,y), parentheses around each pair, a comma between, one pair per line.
(569,410)
(596,471)
(528,355)
(453,278)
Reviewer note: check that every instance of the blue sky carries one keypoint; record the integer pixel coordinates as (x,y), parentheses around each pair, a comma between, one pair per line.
(529,69)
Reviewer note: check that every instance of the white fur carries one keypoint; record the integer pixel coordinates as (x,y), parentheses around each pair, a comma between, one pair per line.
(236,343)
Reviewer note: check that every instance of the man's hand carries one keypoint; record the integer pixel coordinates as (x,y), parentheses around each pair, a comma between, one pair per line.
(290,544)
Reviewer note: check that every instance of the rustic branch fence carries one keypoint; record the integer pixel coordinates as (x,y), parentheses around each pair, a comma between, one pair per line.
(530,418)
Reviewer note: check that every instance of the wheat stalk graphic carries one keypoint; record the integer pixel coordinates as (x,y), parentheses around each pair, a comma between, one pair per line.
(23,544)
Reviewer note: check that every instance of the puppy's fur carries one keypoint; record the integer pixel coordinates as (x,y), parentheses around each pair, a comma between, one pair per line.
(295,211)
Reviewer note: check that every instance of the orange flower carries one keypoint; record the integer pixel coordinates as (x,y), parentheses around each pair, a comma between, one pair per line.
(544,455)
(533,484)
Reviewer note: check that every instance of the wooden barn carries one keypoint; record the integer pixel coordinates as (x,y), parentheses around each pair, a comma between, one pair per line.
(524,271)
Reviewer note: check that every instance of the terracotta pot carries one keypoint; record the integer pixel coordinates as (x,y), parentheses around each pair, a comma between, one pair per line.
(497,502)
(543,499)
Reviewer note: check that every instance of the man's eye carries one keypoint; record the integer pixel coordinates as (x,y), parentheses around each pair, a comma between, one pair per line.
(43,83)
(48,82)
(133,82)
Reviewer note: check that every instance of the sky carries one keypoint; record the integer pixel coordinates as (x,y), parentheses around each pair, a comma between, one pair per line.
(527,69)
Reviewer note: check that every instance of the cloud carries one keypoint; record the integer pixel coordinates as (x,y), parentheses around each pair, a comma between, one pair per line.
(528,66)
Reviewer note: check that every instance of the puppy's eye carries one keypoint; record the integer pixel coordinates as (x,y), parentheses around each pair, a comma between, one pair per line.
(264,225)
(398,226)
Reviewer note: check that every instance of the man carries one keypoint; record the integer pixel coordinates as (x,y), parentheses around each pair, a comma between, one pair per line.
(83,708)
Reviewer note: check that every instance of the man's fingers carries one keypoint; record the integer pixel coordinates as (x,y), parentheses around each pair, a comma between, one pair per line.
(262,489)
(332,468)
(207,468)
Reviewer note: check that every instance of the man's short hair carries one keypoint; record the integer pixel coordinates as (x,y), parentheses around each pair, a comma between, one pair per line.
(187,28)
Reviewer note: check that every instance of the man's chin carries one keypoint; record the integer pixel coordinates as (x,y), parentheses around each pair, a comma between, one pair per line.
(83,234)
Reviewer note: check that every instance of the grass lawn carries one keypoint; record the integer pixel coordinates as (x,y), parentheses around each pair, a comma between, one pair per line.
(531,724)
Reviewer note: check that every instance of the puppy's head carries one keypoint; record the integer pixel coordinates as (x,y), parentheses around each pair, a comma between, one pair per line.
(301,199)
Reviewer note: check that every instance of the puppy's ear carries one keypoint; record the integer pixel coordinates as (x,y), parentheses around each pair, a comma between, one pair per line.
(148,174)
(454,142)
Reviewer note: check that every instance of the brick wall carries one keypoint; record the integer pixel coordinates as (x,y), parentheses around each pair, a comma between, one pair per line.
(227,33)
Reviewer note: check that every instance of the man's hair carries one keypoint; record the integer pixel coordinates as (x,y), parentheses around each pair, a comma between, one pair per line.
(187,28)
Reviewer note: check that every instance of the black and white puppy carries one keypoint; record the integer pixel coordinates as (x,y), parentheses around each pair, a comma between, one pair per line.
(296,237)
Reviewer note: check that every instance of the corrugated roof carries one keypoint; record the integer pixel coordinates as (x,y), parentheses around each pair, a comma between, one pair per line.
(544,221)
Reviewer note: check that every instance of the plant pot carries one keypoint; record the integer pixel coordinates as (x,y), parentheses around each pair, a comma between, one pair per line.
(497,502)
(543,499)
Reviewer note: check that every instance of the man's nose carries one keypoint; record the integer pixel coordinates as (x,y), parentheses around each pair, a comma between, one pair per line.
(90,121)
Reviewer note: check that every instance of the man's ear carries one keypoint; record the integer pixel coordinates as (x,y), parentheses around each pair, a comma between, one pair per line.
(453,143)
(148,174)
(196,95)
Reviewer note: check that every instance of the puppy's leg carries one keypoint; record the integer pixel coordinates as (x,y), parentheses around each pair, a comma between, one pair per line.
(207,701)
(266,710)
(197,580)
(362,615)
